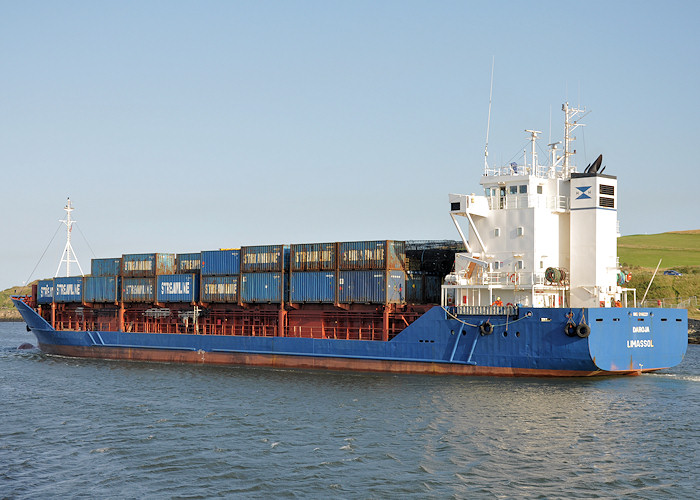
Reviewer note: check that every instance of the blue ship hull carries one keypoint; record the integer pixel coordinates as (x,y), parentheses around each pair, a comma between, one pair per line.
(523,342)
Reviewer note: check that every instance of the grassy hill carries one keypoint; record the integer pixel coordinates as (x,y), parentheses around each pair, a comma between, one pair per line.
(7,310)
(680,251)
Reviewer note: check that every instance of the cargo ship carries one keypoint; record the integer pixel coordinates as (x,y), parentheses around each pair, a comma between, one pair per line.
(534,288)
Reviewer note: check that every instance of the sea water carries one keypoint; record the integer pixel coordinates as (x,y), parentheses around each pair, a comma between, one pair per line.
(106,429)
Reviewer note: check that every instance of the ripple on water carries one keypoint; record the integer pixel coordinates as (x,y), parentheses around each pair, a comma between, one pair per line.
(113,429)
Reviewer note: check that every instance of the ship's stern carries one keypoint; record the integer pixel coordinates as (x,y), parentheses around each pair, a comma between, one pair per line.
(636,339)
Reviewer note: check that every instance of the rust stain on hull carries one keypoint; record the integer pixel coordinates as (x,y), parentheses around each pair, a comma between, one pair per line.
(310,362)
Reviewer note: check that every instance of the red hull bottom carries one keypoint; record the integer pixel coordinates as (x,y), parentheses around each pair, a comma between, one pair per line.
(310,362)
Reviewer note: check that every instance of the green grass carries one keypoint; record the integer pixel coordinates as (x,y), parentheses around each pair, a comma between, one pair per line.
(675,250)
(639,255)
(7,310)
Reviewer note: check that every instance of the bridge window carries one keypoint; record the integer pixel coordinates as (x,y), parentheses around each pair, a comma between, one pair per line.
(523,189)
(514,190)
(539,189)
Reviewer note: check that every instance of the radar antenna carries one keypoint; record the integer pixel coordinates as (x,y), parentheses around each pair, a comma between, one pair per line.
(68,255)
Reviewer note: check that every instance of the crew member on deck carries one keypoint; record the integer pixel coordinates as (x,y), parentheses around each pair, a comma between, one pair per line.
(497,302)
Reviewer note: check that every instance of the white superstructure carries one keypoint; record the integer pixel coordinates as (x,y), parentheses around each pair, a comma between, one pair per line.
(540,235)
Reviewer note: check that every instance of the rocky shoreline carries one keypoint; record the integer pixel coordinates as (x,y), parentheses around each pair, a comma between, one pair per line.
(693,331)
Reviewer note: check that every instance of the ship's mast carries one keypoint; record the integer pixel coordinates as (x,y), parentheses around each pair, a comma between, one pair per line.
(68,255)
(570,124)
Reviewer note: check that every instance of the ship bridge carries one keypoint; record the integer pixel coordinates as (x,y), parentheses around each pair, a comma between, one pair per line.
(540,235)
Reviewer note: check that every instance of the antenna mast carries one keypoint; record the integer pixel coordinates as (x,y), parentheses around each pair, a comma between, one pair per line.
(68,255)
(569,126)
(488,121)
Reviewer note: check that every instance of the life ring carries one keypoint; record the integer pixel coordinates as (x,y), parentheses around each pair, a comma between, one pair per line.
(513,278)
(570,329)
(509,304)
(583,330)
(486,328)
(628,277)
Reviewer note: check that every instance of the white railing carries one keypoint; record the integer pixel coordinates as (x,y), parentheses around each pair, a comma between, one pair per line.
(541,171)
(515,201)
(516,279)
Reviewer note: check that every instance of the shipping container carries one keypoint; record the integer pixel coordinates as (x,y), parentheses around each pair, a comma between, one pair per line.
(313,257)
(372,287)
(147,265)
(432,288)
(138,289)
(375,255)
(68,289)
(219,289)
(101,288)
(188,263)
(221,262)
(44,292)
(263,258)
(312,286)
(262,287)
(422,287)
(178,288)
(106,267)
(415,287)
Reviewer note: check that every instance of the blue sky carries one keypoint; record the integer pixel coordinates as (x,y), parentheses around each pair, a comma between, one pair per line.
(183,126)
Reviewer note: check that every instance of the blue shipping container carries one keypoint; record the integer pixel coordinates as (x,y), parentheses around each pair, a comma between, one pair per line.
(312,256)
(101,288)
(372,287)
(262,287)
(68,289)
(178,288)
(221,262)
(263,258)
(432,289)
(147,265)
(44,292)
(138,289)
(106,267)
(366,255)
(313,286)
(188,262)
(219,289)
(414,287)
